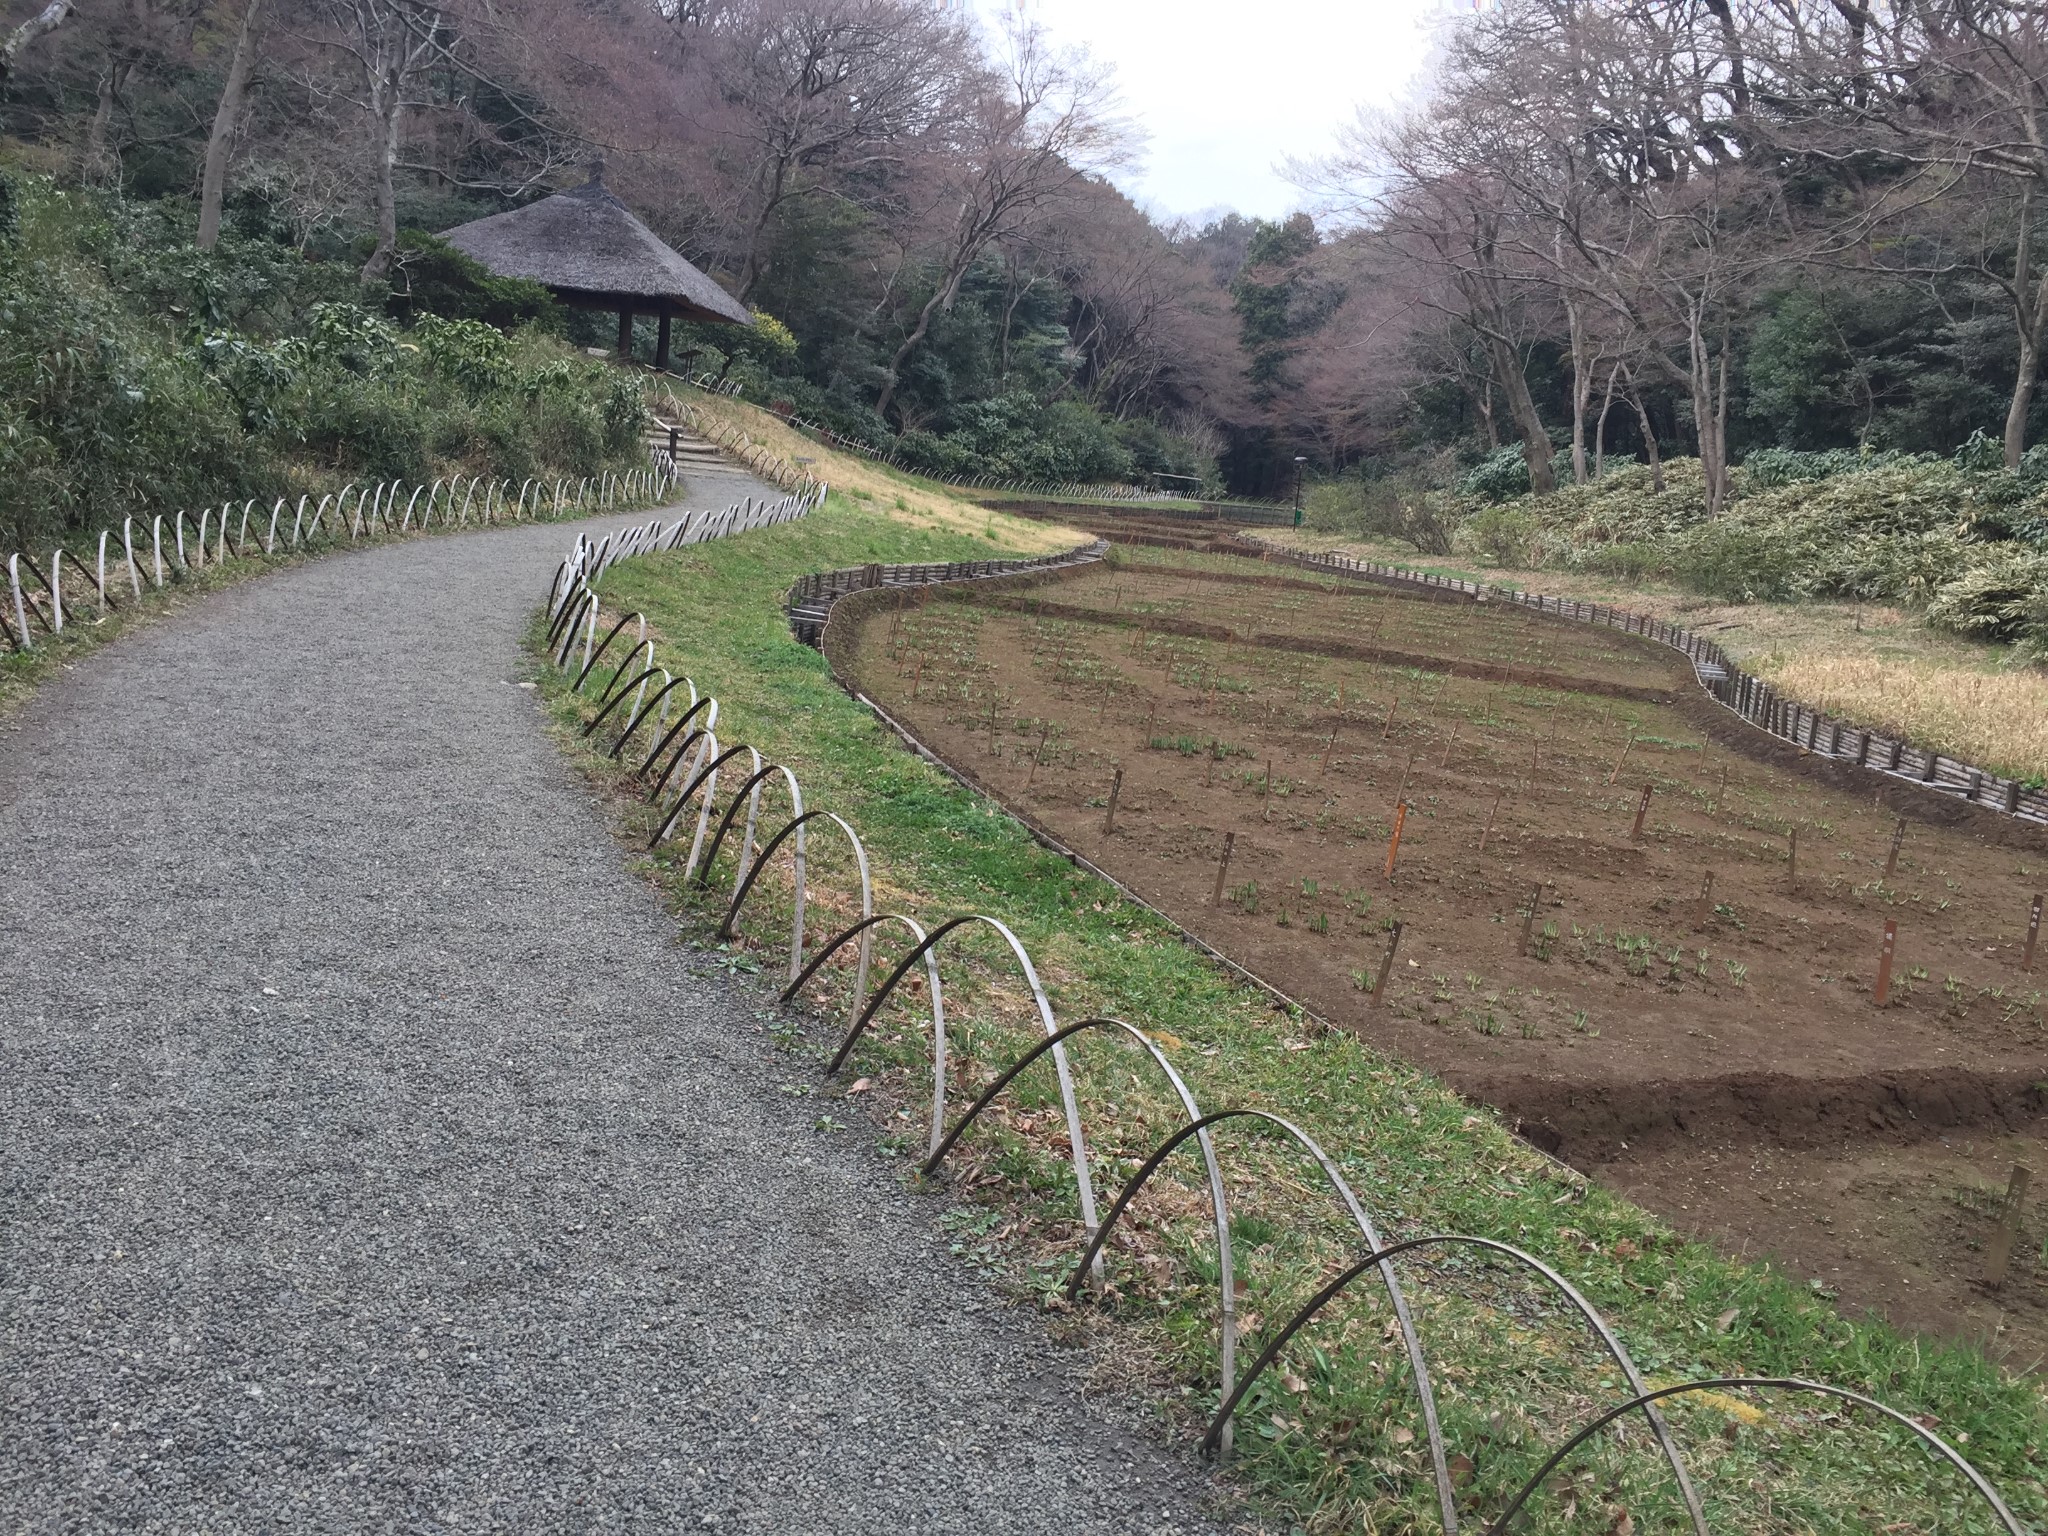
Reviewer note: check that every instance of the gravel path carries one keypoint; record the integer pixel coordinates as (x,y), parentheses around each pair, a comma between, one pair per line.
(372,1159)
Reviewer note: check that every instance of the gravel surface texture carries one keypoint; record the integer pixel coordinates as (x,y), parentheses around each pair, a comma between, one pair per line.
(372,1158)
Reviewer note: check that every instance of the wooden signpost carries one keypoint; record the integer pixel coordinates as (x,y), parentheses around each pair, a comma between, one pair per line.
(1891,861)
(2033,933)
(1116,789)
(1884,961)
(1705,908)
(1642,809)
(1792,856)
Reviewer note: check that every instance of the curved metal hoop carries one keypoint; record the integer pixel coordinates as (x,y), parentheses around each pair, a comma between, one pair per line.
(615,698)
(1076,1142)
(751,792)
(703,774)
(640,713)
(753,870)
(1646,1399)
(673,732)
(1376,1260)
(863,930)
(1418,1362)
(603,646)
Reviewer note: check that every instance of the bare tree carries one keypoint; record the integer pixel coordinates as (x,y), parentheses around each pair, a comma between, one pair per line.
(823,96)
(47,20)
(227,119)
(1020,145)
(1934,104)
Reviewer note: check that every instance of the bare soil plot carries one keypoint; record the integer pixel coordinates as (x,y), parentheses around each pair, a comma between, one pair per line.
(1689,997)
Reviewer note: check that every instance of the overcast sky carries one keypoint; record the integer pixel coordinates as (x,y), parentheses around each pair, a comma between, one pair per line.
(1226,92)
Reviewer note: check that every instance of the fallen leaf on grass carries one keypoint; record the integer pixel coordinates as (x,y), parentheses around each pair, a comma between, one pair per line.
(1726,1320)
(1401,1434)
(1623,1524)
(862,1086)
(1292,1382)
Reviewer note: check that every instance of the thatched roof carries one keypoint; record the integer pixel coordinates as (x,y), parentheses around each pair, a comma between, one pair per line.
(587,246)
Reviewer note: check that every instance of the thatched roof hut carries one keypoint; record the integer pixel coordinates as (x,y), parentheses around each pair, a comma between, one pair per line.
(588,247)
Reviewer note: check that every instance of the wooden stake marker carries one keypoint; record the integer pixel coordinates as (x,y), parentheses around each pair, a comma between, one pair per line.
(1116,789)
(1529,917)
(1328,747)
(1884,961)
(1998,1251)
(1792,855)
(917,677)
(2033,933)
(1394,843)
(1038,754)
(1705,909)
(1222,869)
(1891,860)
(1445,761)
(1390,717)
(1642,809)
(1379,982)
(1498,796)
(1622,760)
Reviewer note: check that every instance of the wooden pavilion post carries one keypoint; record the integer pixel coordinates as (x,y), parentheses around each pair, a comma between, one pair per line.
(661,346)
(626,333)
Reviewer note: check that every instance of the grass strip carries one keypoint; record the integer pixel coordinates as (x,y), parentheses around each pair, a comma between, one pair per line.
(1330,1439)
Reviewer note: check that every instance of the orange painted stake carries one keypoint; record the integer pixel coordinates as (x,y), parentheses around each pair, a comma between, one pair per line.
(2033,933)
(1642,810)
(1379,983)
(1394,843)
(1884,962)
(1222,869)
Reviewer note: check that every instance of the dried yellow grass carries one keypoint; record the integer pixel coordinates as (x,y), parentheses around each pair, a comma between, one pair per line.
(897,496)
(1998,720)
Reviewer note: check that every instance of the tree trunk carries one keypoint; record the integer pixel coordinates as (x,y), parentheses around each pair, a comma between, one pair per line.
(2030,309)
(384,106)
(1600,427)
(1635,398)
(1582,393)
(48,19)
(1522,408)
(93,166)
(227,118)
(1709,418)
(1482,406)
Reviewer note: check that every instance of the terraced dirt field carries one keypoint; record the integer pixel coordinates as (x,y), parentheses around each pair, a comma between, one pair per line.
(1681,1006)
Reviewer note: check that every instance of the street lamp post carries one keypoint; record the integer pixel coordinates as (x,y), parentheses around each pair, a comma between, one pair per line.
(1299,461)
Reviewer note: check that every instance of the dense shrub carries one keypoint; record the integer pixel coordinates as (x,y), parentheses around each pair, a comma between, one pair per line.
(139,374)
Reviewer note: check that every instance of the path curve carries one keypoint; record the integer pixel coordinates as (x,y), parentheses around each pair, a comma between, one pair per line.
(372,1159)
